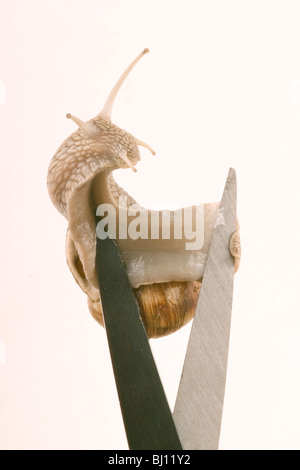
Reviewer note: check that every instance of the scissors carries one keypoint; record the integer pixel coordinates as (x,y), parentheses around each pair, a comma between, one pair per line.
(196,421)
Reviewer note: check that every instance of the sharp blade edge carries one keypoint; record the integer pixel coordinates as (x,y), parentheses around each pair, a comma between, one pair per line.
(147,417)
(199,405)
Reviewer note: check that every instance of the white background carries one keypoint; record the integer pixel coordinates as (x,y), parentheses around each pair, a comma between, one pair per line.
(220,89)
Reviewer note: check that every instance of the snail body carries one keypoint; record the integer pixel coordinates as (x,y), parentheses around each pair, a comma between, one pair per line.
(166,279)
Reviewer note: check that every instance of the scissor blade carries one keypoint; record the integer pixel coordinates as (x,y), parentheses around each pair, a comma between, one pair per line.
(199,404)
(147,417)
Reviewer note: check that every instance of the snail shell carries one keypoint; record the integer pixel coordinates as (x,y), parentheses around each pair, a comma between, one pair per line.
(165,278)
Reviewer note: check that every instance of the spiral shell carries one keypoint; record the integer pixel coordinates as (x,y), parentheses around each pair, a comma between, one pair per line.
(167,306)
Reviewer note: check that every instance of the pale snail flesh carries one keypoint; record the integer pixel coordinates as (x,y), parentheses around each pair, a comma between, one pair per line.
(166,278)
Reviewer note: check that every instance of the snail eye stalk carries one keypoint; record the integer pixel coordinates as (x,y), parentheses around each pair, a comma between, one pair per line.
(88,128)
(107,108)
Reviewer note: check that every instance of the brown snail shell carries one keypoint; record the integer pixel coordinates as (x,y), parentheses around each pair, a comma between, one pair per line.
(167,306)
(79,179)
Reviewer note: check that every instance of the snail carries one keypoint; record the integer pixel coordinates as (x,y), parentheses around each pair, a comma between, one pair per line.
(165,276)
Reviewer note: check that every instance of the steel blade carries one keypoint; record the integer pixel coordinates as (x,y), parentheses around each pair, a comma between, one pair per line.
(199,404)
(147,417)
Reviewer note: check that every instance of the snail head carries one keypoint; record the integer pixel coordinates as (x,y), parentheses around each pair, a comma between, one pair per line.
(100,133)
